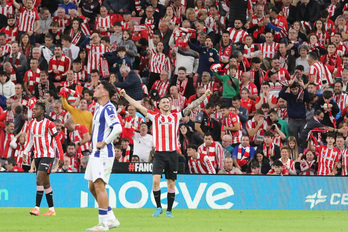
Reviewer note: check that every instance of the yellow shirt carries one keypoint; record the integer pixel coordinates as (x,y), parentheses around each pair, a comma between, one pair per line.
(78,116)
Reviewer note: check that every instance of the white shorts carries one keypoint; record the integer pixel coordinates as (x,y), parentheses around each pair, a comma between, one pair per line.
(99,168)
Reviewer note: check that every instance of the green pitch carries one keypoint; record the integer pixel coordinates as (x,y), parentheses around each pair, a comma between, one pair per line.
(185,220)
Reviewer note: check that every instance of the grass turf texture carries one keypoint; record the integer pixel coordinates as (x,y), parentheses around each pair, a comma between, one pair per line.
(190,220)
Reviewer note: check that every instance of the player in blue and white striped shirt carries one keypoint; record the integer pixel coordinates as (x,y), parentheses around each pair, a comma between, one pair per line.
(106,127)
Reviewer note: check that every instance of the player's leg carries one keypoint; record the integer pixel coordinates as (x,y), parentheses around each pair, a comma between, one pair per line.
(158,166)
(45,170)
(39,190)
(92,189)
(171,172)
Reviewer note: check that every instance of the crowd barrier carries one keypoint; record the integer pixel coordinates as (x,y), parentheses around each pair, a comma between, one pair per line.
(192,191)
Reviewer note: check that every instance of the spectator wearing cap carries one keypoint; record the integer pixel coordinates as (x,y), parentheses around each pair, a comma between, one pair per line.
(7,87)
(119,6)
(296,107)
(131,84)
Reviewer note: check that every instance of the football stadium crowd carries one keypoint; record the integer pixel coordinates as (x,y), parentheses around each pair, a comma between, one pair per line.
(277,71)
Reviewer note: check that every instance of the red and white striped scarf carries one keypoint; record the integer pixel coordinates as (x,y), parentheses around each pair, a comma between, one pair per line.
(76,38)
(270,151)
(182,86)
(17,58)
(249,50)
(332,118)
(127,154)
(226,52)
(241,158)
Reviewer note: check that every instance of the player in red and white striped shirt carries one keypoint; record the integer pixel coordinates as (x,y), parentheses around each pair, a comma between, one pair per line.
(42,135)
(95,51)
(199,163)
(328,155)
(237,34)
(28,19)
(32,77)
(103,23)
(269,48)
(165,138)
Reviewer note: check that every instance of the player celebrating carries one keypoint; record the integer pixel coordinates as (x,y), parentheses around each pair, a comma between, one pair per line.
(41,133)
(106,127)
(165,123)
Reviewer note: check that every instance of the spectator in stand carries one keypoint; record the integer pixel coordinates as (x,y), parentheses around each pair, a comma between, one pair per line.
(229,168)
(179,102)
(230,84)
(207,56)
(69,50)
(306,164)
(150,18)
(242,154)
(18,62)
(116,37)
(205,123)
(286,60)
(162,85)
(95,51)
(116,60)
(184,83)
(66,166)
(246,102)
(84,162)
(279,125)
(80,136)
(6,135)
(199,163)
(28,20)
(143,143)
(231,124)
(74,157)
(245,82)
(78,37)
(94,82)
(328,155)
(213,150)
(131,83)
(131,49)
(58,112)
(119,6)
(307,10)
(7,88)
(59,65)
(19,119)
(285,159)
(225,47)
(89,9)
(119,158)
(340,143)
(261,161)
(207,83)
(81,115)
(266,97)
(295,105)
(11,165)
(37,54)
(256,128)
(269,149)
(133,120)
(226,142)
(278,169)
(330,108)
(242,112)
(279,24)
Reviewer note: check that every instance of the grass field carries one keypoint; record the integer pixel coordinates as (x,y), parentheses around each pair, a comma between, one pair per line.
(185,220)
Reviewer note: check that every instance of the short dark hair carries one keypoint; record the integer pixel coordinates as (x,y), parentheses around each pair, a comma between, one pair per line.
(105,38)
(70,144)
(109,87)
(272,111)
(268,134)
(265,106)
(58,46)
(318,112)
(67,38)
(121,49)
(327,94)
(277,163)
(314,55)
(209,105)
(192,146)
(12,161)
(182,68)
(255,60)
(224,106)
(266,83)
(95,71)
(236,98)
(42,105)
(259,111)
(8,123)
(330,135)
(207,134)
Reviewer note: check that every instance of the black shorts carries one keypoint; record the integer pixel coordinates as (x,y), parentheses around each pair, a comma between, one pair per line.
(167,161)
(44,164)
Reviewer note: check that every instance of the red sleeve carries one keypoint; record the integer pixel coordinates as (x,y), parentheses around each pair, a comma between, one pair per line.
(36,15)
(26,79)
(274,99)
(254,89)
(271,171)
(21,9)
(52,129)
(50,69)
(253,108)
(322,59)
(285,170)
(83,130)
(266,76)
(2,120)
(338,157)
(339,62)
(191,99)
(339,72)
(257,99)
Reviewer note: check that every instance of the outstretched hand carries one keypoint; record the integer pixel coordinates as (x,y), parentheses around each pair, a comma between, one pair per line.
(207,92)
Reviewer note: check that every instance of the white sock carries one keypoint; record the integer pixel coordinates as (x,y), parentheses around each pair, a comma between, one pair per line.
(111,215)
(51,208)
(38,208)
(103,216)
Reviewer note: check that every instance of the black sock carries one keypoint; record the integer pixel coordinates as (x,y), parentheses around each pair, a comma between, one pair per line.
(39,195)
(157,196)
(170,199)
(49,198)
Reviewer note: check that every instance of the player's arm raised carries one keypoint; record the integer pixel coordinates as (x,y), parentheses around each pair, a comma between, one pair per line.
(196,103)
(133,102)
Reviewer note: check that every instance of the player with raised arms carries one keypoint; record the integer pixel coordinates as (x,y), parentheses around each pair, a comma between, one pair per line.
(165,130)
(106,127)
(42,135)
